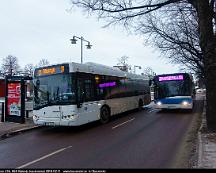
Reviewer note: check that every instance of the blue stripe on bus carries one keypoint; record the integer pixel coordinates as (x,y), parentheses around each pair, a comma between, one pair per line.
(174,100)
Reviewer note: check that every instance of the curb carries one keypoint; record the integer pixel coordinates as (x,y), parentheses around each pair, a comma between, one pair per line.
(200,150)
(200,142)
(16,132)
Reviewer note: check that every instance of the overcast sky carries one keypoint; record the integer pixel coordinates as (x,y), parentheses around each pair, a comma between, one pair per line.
(36,29)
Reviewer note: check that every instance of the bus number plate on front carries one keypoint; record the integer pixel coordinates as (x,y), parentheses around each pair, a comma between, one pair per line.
(171,107)
(49,123)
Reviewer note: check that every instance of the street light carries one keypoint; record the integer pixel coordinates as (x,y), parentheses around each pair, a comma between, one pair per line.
(137,67)
(88,46)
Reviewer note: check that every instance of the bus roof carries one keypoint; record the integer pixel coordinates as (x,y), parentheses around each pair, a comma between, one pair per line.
(168,74)
(100,69)
(95,68)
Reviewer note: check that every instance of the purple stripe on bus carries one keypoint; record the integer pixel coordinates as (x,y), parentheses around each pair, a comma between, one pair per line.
(167,78)
(108,84)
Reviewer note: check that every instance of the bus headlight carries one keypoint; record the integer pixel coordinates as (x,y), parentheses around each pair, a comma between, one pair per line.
(159,103)
(35,117)
(185,103)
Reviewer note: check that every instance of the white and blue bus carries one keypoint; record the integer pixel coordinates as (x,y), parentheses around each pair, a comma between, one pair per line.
(72,94)
(173,91)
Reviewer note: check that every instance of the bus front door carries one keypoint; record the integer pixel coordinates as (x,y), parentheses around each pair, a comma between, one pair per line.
(88,108)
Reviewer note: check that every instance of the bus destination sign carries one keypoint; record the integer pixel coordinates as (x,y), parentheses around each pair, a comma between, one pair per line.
(171,77)
(50,70)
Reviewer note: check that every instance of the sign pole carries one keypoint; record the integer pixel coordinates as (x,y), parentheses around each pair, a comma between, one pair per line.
(22,83)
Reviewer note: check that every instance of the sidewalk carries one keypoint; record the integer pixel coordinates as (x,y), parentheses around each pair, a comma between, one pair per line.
(10,128)
(206,146)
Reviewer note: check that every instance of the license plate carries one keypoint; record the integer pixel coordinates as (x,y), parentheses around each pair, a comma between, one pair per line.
(49,124)
(171,106)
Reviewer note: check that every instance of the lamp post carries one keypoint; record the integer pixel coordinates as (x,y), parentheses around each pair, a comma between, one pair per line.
(88,46)
(137,67)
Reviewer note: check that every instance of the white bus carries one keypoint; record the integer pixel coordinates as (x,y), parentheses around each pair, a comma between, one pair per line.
(72,94)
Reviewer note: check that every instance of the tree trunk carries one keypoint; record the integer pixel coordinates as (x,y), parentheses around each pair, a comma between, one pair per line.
(208,46)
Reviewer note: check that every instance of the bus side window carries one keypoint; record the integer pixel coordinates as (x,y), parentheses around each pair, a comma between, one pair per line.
(99,92)
(89,90)
(80,91)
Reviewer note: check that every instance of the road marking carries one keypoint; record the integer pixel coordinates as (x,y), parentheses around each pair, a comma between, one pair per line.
(153,110)
(44,157)
(123,123)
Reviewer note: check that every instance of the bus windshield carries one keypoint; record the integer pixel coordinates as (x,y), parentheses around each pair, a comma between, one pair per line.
(173,88)
(54,90)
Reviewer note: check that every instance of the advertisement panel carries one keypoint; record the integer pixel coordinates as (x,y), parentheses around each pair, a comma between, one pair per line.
(14,99)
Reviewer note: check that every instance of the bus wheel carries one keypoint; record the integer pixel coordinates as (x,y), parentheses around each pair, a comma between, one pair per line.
(140,105)
(104,115)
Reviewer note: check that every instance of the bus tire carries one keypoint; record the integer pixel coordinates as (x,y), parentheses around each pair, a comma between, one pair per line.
(140,106)
(104,114)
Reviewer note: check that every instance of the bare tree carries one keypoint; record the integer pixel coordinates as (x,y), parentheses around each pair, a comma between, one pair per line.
(149,72)
(129,12)
(10,65)
(43,62)
(123,64)
(29,69)
(176,37)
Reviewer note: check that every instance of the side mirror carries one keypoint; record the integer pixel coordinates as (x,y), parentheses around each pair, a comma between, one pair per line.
(150,82)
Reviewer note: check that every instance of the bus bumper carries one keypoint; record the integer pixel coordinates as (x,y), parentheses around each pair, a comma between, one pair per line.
(54,122)
(173,106)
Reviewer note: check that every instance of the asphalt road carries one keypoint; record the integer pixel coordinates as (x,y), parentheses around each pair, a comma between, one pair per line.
(145,139)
